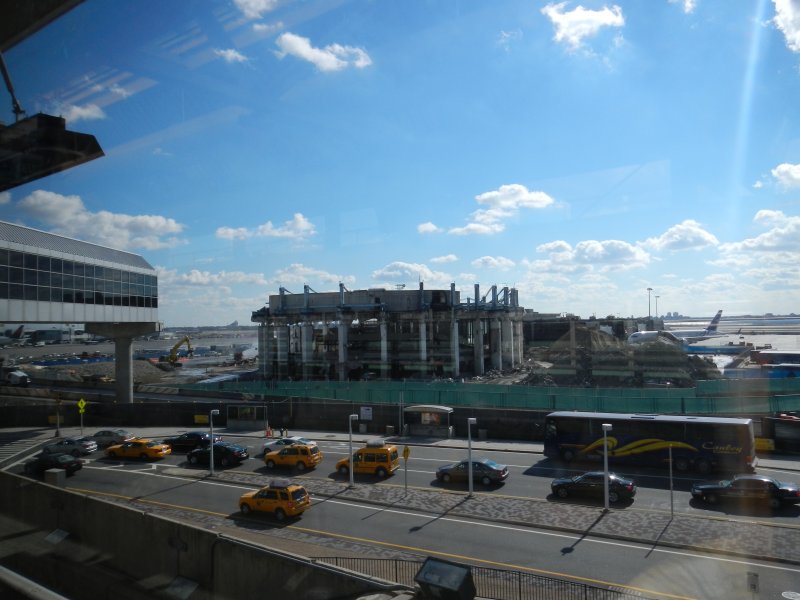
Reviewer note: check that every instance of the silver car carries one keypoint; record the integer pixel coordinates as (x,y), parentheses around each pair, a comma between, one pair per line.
(108,437)
(280,444)
(76,446)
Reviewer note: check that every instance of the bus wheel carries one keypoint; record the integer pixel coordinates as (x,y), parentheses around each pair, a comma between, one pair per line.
(681,464)
(703,467)
(567,455)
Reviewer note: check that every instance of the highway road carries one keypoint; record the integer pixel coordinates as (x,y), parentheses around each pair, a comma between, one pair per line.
(394,531)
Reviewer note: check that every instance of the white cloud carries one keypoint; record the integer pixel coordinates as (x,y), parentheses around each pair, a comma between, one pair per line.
(267,28)
(573,26)
(688,235)
(403,272)
(500,263)
(447,258)
(504,203)
(67,215)
(299,227)
(787,19)
(255,9)
(779,245)
(207,278)
(231,55)
(596,255)
(72,113)
(758,185)
(114,88)
(787,175)
(688,5)
(5,198)
(333,57)
(428,228)
(506,38)
(299,273)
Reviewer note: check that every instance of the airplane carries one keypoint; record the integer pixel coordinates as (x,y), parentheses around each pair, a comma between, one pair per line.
(684,336)
(13,339)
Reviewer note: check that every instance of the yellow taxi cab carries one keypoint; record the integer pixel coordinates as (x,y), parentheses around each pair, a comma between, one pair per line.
(299,456)
(139,448)
(281,497)
(376,458)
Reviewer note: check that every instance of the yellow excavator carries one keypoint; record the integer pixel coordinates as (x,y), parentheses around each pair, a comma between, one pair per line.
(172,359)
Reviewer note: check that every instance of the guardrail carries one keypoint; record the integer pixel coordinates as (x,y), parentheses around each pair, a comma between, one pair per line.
(495,584)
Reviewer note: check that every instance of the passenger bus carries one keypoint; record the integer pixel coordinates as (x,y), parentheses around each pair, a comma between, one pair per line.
(702,444)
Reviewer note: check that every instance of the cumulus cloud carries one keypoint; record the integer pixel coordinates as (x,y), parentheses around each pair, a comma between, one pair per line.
(780,244)
(573,26)
(787,175)
(333,57)
(403,272)
(688,235)
(67,215)
(299,273)
(255,9)
(298,227)
(207,278)
(90,112)
(503,203)
(447,258)
(599,255)
(787,20)
(428,228)
(231,55)
(688,5)
(499,263)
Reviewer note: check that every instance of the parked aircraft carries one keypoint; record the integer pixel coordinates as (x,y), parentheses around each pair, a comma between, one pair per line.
(685,336)
(13,339)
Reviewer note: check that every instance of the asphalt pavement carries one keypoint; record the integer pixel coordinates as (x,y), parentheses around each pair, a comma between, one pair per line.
(708,533)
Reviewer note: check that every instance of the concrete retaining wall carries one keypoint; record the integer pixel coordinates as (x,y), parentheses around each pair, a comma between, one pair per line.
(149,548)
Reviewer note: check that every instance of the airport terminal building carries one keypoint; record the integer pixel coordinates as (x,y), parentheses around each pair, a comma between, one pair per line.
(48,278)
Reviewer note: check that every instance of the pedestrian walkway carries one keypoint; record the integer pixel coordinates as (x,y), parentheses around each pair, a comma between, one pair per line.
(718,534)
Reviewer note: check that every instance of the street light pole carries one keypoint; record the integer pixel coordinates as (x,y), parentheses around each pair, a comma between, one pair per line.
(470,422)
(211,416)
(352,460)
(606,428)
(657,297)
(648,301)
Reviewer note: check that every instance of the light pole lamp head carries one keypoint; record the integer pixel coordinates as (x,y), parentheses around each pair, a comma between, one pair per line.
(607,426)
(215,412)
(354,417)
(472,421)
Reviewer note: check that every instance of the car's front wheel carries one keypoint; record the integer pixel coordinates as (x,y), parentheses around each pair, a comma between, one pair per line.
(143,456)
(613,496)
(245,508)
(270,464)
(486,480)
(446,477)
(301,466)
(344,470)
(192,459)
(712,498)
(280,514)
(381,472)
(562,492)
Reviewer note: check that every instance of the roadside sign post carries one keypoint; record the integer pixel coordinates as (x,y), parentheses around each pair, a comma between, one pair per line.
(671,500)
(81,410)
(406,454)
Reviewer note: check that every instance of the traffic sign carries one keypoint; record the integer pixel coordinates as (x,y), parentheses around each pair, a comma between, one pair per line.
(81,404)
(81,410)
(406,452)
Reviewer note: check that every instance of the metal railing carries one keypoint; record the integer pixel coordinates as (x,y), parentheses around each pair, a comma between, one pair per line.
(496,584)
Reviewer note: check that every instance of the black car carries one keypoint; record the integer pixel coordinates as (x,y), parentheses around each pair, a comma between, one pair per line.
(225,454)
(758,489)
(47,460)
(484,470)
(591,484)
(189,441)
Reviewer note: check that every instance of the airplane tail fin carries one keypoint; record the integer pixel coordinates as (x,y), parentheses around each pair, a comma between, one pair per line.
(714,322)
(18,333)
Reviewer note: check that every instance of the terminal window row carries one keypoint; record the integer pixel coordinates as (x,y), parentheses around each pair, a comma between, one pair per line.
(28,276)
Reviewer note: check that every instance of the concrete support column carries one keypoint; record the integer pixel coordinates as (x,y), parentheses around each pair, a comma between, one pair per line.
(423,346)
(282,350)
(454,349)
(307,348)
(519,341)
(496,343)
(573,358)
(507,333)
(265,344)
(477,340)
(344,327)
(384,349)
(123,368)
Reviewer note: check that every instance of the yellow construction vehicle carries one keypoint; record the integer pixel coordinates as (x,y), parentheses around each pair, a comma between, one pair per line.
(172,359)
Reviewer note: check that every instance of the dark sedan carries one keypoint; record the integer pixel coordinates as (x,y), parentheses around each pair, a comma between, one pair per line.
(189,441)
(484,470)
(47,460)
(591,484)
(757,489)
(226,454)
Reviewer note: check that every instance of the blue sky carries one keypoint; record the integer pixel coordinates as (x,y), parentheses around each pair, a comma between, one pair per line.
(578,151)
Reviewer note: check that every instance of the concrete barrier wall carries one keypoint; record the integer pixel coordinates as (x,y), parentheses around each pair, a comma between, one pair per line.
(145,546)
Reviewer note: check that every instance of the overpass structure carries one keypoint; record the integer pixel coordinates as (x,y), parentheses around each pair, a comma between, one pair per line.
(388,334)
(48,278)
